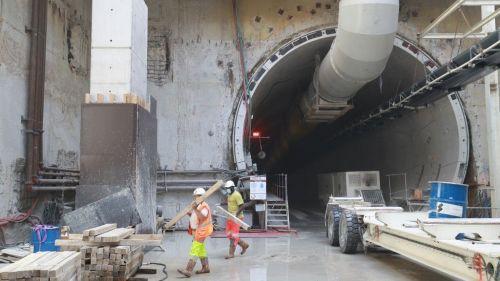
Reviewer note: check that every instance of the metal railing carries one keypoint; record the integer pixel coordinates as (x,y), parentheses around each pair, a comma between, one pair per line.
(277,185)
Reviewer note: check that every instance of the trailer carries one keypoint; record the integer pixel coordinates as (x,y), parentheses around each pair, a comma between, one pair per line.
(465,249)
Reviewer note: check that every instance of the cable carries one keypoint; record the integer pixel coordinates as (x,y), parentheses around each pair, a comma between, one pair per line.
(21,217)
(164,270)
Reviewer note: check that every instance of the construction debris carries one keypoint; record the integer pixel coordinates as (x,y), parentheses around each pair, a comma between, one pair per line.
(54,266)
(119,208)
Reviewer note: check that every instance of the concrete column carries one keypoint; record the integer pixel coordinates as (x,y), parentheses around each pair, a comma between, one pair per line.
(118,72)
(118,146)
(492,102)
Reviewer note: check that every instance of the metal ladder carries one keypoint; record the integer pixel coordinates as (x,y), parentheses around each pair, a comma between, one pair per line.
(277,210)
(277,215)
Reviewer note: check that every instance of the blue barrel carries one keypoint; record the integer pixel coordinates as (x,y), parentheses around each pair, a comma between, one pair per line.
(448,200)
(44,237)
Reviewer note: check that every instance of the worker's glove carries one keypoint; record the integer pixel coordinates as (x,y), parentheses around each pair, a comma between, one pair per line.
(194,205)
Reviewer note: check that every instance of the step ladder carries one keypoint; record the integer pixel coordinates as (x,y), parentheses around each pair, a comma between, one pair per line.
(277,215)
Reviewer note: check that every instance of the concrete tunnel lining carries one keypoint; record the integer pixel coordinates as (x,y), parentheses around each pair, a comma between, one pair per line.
(443,123)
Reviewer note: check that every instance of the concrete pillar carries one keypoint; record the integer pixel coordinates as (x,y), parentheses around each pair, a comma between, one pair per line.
(492,102)
(118,149)
(118,71)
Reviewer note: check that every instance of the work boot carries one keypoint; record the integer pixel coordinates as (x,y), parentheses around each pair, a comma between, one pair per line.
(244,246)
(204,266)
(232,248)
(188,272)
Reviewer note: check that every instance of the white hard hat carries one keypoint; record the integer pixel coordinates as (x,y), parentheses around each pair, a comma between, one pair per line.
(199,191)
(229,184)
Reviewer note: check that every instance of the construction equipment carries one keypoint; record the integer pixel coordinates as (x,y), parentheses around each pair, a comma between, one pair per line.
(467,249)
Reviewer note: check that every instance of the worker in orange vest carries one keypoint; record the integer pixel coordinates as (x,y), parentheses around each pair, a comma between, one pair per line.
(201,227)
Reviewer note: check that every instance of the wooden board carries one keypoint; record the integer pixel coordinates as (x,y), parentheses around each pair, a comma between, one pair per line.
(115,235)
(234,218)
(88,233)
(18,253)
(188,208)
(43,266)
(75,240)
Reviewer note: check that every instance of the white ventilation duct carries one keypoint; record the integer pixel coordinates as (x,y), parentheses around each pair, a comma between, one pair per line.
(365,37)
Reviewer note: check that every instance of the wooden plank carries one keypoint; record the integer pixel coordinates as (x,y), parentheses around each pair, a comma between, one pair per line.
(33,269)
(68,264)
(99,229)
(188,208)
(18,253)
(75,240)
(125,242)
(58,259)
(9,271)
(115,235)
(234,218)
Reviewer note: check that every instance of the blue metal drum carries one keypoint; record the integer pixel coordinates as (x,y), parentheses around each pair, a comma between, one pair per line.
(44,237)
(448,200)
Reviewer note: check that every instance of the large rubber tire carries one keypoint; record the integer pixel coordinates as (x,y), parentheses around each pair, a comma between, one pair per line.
(333,226)
(349,232)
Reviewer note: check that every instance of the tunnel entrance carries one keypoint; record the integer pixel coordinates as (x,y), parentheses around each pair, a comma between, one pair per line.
(425,144)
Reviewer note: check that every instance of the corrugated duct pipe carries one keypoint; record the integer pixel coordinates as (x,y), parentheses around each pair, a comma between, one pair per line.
(359,54)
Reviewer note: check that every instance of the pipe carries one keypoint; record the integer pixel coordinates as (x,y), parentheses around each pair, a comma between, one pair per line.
(359,54)
(34,121)
(59,174)
(57,181)
(53,188)
(196,183)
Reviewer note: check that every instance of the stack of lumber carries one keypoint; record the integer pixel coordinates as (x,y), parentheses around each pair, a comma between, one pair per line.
(111,263)
(108,235)
(108,252)
(44,266)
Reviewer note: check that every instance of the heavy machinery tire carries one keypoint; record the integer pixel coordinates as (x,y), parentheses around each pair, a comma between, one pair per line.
(349,232)
(333,226)
(327,223)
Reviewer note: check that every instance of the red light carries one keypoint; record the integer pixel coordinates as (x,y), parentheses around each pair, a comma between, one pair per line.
(256,134)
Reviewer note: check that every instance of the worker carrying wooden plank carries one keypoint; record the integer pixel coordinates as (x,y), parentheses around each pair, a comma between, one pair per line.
(235,206)
(201,227)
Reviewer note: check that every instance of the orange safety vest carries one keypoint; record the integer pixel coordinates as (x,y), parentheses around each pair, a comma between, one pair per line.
(205,226)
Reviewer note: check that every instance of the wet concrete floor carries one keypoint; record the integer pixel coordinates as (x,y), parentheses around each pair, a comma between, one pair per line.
(304,256)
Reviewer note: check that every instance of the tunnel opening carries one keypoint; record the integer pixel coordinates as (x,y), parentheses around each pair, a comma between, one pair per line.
(420,145)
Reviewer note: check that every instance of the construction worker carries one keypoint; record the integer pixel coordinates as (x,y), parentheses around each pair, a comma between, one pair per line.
(235,206)
(200,226)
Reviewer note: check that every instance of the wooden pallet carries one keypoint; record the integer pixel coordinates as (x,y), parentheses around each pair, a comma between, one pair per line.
(44,266)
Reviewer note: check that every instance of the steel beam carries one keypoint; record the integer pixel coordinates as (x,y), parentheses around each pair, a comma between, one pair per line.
(455,6)
(482,23)
(481,2)
(453,35)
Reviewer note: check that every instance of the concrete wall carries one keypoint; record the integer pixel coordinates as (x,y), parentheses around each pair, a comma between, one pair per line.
(66,83)
(14,54)
(67,79)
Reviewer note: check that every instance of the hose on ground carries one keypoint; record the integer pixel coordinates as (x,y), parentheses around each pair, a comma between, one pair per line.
(164,270)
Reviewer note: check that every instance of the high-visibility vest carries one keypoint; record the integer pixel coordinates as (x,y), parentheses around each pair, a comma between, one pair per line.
(205,226)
